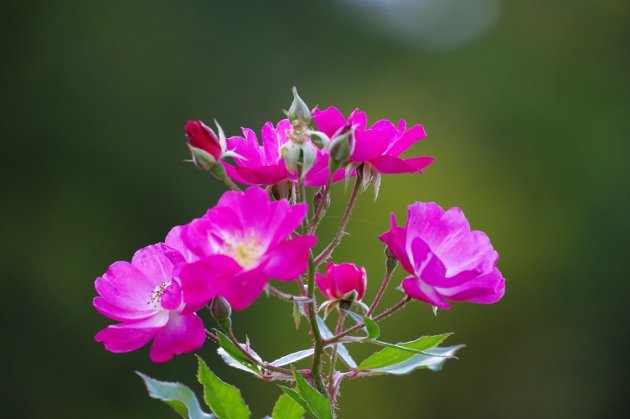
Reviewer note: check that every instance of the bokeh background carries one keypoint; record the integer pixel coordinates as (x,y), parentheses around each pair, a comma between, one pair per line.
(527,109)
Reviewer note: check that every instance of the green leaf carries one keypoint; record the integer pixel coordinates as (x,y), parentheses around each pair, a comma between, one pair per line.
(293,357)
(232,350)
(180,397)
(432,359)
(287,408)
(373,331)
(224,399)
(317,403)
(400,352)
(295,396)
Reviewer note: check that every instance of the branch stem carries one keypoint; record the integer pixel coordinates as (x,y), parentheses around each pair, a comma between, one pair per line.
(359,325)
(333,356)
(380,292)
(318,345)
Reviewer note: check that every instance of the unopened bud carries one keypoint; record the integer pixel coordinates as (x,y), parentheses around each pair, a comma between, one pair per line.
(281,190)
(299,109)
(320,196)
(221,311)
(206,148)
(308,158)
(339,150)
(390,262)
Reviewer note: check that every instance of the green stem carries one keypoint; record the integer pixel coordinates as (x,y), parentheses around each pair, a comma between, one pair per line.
(379,294)
(318,345)
(219,172)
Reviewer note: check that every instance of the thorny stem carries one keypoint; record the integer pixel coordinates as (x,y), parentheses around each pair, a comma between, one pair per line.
(359,325)
(287,297)
(379,294)
(317,336)
(258,362)
(325,254)
(333,356)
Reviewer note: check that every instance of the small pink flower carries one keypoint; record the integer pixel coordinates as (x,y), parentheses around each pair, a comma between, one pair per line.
(341,281)
(446,260)
(146,297)
(379,146)
(264,165)
(237,246)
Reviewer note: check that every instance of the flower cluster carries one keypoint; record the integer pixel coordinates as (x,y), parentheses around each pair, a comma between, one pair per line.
(256,238)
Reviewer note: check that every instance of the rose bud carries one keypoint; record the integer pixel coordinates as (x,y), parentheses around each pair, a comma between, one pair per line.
(205,146)
(345,281)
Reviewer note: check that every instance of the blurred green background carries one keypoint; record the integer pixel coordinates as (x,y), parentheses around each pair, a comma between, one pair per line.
(527,107)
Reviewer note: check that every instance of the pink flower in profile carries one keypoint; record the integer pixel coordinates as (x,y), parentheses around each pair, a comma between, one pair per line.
(446,260)
(378,147)
(146,297)
(345,281)
(264,165)
(237,246)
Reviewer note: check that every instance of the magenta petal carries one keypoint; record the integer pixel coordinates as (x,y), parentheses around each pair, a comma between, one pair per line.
(201,281)
(415,288)
(289,260)
(262,175)
(427,266)
(389,164)
(329,121)
(396,240)
(243,289)
(126,287)
(405,141)
(345,278)
(284,219)
(326,286)
(247,147)
(157,262)
(119,340)
(182,333)
(171,296)
(122,312)
(233,174)
(484,289)
(368,145)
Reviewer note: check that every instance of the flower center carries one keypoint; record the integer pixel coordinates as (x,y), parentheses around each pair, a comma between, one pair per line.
(245,251)
(156,295)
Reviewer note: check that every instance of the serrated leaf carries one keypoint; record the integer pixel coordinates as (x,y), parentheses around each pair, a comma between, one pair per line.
(223,399)
(373,331)
(341,349)
(234,353)
(433,359)
(287,408)
(318,404)
(399,352)
(178,396)
(294,357)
